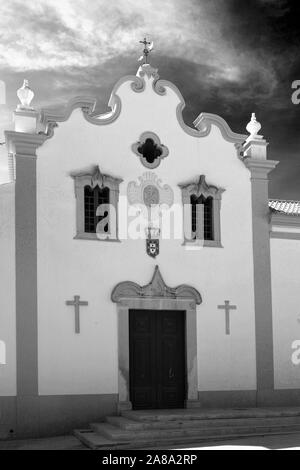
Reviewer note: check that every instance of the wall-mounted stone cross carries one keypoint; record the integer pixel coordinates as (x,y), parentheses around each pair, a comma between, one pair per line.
(227,307)
(77,303)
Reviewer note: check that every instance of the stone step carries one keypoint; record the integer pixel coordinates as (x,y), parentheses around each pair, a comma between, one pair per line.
(96,441)
(133,425)
(115,433)
(198,414)
(170,428)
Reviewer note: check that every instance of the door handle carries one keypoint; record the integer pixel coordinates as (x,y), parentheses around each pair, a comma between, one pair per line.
(171,373)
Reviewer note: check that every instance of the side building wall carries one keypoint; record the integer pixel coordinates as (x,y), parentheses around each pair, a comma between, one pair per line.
(285,262)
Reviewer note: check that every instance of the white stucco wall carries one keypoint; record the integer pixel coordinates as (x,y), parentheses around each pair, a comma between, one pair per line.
(7,291)
(88,363)
(285,261)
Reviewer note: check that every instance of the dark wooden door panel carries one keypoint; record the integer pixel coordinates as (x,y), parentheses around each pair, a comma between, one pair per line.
(157,359)
(171,358)
(142,351)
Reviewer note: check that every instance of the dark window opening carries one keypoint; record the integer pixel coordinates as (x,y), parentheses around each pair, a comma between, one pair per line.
(150,150)
(207,203)
(93,198)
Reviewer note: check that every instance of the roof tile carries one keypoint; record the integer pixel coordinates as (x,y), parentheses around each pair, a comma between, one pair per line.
(285,207)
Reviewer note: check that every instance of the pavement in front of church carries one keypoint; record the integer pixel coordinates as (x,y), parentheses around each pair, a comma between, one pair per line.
(51,443)
(285,441)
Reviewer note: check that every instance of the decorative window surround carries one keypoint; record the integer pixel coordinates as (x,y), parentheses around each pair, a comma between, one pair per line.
(93,179)
(198,189)
(162,148)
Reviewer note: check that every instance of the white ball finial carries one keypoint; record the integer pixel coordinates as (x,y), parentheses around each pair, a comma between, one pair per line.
(25,95)
(253,126)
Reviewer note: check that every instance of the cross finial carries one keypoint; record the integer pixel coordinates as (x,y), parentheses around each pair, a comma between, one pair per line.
(148,46)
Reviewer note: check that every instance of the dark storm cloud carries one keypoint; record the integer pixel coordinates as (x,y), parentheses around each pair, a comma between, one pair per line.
(230,57)
(269,29)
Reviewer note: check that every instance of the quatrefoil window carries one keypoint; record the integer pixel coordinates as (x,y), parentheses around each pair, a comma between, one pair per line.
(150,150)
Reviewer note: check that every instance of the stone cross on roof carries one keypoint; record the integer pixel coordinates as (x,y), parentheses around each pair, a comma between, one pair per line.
(148,46)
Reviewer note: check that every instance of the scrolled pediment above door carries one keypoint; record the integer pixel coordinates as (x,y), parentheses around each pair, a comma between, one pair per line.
(157,288)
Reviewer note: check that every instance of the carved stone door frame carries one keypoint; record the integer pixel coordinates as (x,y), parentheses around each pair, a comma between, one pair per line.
(156,296)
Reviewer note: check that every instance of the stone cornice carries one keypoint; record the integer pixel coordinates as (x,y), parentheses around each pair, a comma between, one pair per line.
(204,124)
(26,113)
(285,236)
(284,220)
(50,117)
(257,142)
(259,168)
(23,144)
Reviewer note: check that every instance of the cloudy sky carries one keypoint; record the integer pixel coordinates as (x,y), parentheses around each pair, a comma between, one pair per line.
(230,57)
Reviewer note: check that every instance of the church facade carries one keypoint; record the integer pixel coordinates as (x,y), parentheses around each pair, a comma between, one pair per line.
(143,265)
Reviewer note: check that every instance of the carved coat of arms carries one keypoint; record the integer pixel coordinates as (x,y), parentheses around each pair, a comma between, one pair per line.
(152,193)
(149,191)
(152,242)
(152,248)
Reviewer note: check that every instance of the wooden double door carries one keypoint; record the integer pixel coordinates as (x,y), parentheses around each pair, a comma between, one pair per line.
(157,358)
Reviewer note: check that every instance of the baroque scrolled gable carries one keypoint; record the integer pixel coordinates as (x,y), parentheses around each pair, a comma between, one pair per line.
(146,74)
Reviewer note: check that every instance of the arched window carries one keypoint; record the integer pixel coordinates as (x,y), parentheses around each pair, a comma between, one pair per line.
(93,198)
(207,222)
(202,205)
(93,191)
